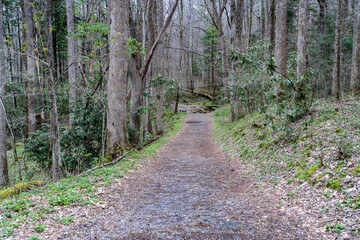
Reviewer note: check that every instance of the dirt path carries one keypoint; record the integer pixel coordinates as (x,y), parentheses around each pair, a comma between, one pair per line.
(190,190)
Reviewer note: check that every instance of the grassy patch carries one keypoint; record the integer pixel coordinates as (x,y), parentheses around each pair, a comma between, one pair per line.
(65,220)
(322,148)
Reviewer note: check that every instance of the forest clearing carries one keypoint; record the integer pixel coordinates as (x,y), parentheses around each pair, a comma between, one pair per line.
(179,119)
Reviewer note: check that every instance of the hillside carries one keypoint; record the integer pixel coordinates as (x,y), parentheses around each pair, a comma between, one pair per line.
(314,169)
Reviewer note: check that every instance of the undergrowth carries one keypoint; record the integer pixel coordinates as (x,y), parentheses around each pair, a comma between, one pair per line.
(322,149)
(35,206)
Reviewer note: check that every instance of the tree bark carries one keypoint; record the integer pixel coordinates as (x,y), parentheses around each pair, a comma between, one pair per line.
(322,11)
(251,6)
(4,174)
(71,56)
(238,44)
(160,89)
(272,25)
(136,88)
(355,70)
(135,103)
(190,54)
(231,72)
(280,35)
(301,38)
(335,89)
(181,39)
(30,86)
(217,12)
(117,83)
(54,121)
(238,24)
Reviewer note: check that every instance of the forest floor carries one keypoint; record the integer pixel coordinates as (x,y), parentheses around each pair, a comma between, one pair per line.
(190,190)
(314,170)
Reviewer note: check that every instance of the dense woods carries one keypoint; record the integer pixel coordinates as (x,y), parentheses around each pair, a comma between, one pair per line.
(87,84)
(83,82)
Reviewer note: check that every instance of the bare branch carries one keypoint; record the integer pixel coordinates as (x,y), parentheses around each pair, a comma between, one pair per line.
(145,68)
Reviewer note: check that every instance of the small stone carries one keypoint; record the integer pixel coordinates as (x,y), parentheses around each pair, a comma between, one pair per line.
(347,179)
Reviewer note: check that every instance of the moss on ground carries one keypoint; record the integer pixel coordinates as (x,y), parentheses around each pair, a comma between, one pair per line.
(322,149)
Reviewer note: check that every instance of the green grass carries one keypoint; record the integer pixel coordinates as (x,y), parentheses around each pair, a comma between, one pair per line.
(34,206)
(65,220)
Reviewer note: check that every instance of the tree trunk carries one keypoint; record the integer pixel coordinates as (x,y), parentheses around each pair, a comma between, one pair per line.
(4,174)
(280,35)
(71,56)
(355,70)
(54,122)
(251,6)
(238,24)
(266,21)
(190,56)
(135,115)
(238,45)
(136,89)
(301,38)
(30,86)
(272,25)
(335,89)
(217,12)
(231,72)
(322,11)
(280,41)
(152,35)
(117,83)
(181,39)
(160,88)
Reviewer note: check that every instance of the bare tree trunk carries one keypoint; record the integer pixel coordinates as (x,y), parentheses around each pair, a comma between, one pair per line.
(117,83)
(30,86)
(54,122)
(136,89)
(322,7)
(238,23)
(177,99)
(145,81)
(160,88)
(135,115)
(301,38)
(217,12)
(190,57)
(266,21)
(71,56)
(232,76)
(181,38)
(250,20)
(152,36)
(280,35)
(238,45)
(355,70)
(272,25)
(280,41)
(335,89)
(55,136)
(4,174)
(262,20)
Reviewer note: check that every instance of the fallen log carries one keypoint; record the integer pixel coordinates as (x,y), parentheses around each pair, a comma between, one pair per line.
(121,157)
(199,94)
(13,190)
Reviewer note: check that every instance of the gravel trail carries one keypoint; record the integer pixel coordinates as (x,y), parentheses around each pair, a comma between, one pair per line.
(190,190)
